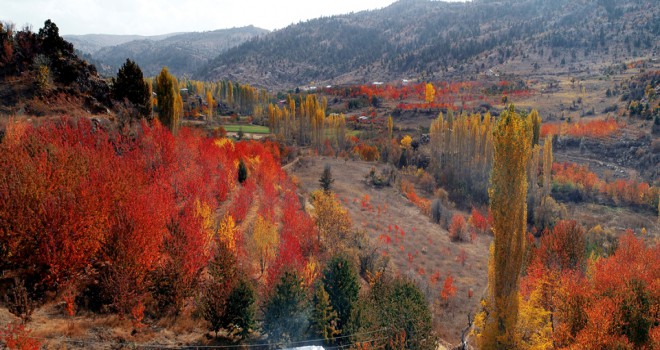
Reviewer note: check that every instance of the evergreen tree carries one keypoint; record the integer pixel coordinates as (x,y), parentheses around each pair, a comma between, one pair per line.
(326,179)
(240,308)
(213,304)
(130,85)
(286,315)
(324,318)
(242,171)
(341,283)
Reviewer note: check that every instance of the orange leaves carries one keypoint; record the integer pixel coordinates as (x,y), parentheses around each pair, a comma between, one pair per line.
(408,190)
(478,221)
(614,305)
(619,191)
(366,152)
(458,228)
(448,289)
(592,128)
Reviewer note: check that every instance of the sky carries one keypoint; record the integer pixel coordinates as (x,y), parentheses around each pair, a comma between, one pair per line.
(152,17)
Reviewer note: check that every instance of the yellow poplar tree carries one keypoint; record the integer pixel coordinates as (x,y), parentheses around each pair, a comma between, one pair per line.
(211,103)
(430,93)
(170,104)
(265,240)
(512,142)
(390,126)
(227,232)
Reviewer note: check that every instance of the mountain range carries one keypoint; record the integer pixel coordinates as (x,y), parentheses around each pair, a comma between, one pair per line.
(182,53)
(410,39)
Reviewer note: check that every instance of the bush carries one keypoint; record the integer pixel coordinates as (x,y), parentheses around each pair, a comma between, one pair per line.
(427,183)
(458,231)
(19,302)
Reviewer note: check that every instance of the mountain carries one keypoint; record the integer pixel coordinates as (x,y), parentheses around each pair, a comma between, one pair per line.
(91,43)
(182,53)
(422,39)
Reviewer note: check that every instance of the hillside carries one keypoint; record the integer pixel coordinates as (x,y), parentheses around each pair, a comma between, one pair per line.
(425,40)
(91,43)
(182,53)
(40,74)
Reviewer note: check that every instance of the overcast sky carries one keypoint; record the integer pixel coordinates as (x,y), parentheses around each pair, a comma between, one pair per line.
(150,17)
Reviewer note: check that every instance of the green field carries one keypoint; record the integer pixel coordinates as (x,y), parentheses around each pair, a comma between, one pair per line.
(252,129)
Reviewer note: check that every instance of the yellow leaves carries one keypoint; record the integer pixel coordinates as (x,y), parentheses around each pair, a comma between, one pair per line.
(227,232)
(203,210)
(312,271)
(265,240)
(406,141)
(508,191)
(332,220)
(390,126)
(534,328)
(224,142)
(430,93)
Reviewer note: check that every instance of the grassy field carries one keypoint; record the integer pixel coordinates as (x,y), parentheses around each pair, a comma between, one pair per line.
(252,129)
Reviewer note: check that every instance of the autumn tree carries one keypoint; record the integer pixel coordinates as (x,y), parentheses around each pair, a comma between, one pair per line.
(508,191)
(170,105)
(462,153)
(332,220)
(264,241)
(211,103)
(390,126)
(131,86)
(429,93)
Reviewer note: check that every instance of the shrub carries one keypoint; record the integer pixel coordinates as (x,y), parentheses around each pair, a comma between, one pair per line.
(458,229)
(18,301)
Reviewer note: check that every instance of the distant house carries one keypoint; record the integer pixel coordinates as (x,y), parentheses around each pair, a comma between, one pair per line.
(363,118)
(377,83)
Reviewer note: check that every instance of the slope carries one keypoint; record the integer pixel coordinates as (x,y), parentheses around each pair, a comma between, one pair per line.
(421,39)
(182,53)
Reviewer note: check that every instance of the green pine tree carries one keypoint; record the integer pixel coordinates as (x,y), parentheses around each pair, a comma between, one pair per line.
(324,318)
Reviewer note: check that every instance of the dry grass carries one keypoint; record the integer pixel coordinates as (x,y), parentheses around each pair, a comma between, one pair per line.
(425,242)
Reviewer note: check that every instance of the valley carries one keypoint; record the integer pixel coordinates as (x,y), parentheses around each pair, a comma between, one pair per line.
(429,175)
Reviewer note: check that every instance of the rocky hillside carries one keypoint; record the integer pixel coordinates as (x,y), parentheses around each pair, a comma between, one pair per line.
(182,53)
(422,39)
(40,74)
